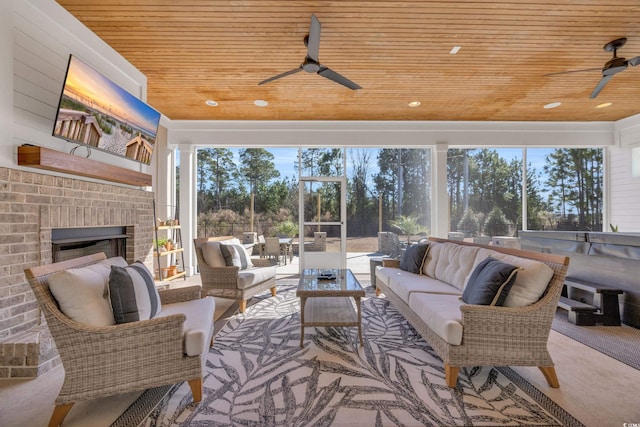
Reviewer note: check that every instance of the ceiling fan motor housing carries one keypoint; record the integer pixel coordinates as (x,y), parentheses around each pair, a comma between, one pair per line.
(310,66)
(614,66)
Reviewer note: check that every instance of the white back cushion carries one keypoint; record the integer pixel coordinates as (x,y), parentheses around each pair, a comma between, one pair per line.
(211,252)
(83,293)
(531,282)
(212,255)
(451,263)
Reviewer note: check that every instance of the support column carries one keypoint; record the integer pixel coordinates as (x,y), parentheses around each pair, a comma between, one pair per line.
(440,194)
(188,211)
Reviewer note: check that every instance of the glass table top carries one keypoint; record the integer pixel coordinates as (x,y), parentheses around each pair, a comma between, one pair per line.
(329,281)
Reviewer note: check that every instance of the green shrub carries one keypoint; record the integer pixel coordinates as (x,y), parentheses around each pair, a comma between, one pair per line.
(286,228)
(496,224)
(469,224)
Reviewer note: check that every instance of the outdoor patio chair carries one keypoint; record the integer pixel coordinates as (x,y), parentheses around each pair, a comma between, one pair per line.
(272,248)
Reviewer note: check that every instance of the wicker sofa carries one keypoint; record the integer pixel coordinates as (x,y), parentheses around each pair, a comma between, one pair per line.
(231,281)
(107,359)
(466,335)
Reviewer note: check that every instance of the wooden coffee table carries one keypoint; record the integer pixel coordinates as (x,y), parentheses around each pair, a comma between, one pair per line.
(327,302)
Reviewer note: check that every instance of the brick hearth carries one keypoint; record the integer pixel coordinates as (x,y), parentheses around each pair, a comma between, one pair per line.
(31,205)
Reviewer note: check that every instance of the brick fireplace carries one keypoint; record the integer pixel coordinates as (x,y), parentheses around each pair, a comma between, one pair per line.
(32,205)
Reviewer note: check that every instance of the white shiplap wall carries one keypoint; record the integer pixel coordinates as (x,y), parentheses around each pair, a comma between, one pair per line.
(624,188)
(44,35)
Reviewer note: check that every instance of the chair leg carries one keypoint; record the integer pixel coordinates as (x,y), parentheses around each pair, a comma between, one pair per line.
(243,305)
(196,389)
(59,413)
(273,291)
(214,322)
(549,373)
(451,375)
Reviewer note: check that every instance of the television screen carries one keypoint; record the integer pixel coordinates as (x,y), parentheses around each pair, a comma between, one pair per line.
(96,112)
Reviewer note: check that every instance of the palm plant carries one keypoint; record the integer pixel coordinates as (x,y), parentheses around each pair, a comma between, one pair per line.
(408,225)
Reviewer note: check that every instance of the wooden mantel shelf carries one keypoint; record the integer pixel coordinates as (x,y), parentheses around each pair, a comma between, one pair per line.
(45,158)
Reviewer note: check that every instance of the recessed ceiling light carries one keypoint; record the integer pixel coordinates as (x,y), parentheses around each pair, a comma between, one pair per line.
(260,103)
(604,105)
(455,50)
(552,105)
(414,104)
(211,103)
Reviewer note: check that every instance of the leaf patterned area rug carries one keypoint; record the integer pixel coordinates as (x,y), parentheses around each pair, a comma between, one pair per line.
(257,374)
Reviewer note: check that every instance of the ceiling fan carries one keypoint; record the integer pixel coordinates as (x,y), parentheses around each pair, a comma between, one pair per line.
(311,63)
(612,67)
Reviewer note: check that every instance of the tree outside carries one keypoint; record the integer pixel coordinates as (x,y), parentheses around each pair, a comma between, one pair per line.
(485,191)
(563,192)
(381,183)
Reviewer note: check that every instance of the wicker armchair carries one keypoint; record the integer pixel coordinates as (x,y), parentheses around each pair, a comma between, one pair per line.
(231,282)
(110,360)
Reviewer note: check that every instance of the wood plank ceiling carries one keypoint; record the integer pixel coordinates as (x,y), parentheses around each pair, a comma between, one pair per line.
(398,51)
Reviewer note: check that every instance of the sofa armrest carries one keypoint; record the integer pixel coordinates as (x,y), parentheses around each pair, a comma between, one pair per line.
(179,294)
(219,277)
(261,262)
(507,324)
(156,344)
(393,263)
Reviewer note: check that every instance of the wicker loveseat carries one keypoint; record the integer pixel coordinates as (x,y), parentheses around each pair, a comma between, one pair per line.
(102,361)
(230,281)
(467,335)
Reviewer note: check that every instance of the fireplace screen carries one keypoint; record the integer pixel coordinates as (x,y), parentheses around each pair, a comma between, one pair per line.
(69,243)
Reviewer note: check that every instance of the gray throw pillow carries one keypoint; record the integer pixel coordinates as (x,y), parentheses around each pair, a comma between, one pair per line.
(490,282)
(413,258)
(236,256)
(133,293)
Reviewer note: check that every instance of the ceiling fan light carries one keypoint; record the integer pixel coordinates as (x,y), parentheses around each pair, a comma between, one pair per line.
(552,105)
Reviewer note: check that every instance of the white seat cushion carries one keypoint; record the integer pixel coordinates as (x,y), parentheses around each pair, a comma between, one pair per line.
(198,326)
(441,313)
(254,276)
(384,274)
(403,283)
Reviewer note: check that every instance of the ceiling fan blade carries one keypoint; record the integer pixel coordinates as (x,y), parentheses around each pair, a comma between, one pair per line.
(573,71)
(338,78)
(603,81)
(634,61)
(313,43)
(279,76)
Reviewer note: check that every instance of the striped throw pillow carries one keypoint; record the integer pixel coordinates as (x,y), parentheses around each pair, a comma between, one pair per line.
(133,293)
(236,256)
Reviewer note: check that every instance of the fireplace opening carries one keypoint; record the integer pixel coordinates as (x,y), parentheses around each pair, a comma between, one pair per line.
(69,243)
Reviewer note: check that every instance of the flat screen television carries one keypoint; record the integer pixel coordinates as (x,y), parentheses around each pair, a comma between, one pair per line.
(95,112)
